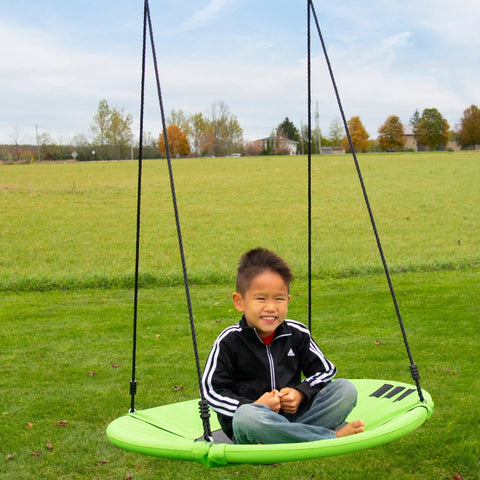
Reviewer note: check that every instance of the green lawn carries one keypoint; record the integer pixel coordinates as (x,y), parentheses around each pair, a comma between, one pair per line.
(72,225)
(65,346)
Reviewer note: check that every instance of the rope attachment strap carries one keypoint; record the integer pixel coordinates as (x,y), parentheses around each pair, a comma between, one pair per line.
(203,405)
(413,367)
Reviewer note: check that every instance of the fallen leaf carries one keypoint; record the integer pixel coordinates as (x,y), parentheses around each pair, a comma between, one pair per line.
(128,477)
(378,342)
(218,321)
(115,365)
(216,303)
(404,293)
(49,446)
(157,335)
(177,388)
(37,454)
(62,423)
(92,373)
(102,462)
(11,456)
(457,476)
(29,425)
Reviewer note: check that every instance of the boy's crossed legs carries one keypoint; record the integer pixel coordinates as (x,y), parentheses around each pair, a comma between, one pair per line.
(317,419)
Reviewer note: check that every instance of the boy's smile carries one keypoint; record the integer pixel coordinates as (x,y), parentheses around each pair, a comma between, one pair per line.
(265,303)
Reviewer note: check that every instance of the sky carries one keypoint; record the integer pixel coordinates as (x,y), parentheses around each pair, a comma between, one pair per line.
(58,59)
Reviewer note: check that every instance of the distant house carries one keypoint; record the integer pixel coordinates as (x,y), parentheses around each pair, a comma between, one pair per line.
(279,145)
(409,137)
(411,143)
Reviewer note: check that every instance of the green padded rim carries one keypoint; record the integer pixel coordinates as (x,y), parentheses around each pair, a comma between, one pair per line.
(170,431)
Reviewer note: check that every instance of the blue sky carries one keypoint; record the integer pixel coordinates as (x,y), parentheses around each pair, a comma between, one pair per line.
(60,58)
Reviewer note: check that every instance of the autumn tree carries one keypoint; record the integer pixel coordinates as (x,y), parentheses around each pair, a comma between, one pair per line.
(432,130)
(469,134)
(177,142)
(358,135)
(218,134)
(391,134)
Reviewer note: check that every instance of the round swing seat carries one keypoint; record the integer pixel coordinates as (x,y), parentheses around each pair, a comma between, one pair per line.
(389,409)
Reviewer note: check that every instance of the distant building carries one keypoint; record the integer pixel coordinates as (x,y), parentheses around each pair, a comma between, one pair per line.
(409,137)
(279,145)
(411,142)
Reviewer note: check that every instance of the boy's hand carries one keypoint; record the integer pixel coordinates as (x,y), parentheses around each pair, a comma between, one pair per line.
(271,400)
(290,399)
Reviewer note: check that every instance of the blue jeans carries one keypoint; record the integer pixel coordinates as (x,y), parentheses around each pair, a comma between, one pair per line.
(316,419)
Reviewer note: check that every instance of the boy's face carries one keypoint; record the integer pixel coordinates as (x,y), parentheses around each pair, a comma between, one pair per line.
(265,303)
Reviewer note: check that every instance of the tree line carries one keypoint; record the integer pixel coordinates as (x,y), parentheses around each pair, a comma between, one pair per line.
(219,134)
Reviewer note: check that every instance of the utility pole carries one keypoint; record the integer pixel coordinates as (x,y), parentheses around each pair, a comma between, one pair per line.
(38,146)
(317,125)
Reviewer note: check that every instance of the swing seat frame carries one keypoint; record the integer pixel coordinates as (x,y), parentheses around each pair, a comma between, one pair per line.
(390,410)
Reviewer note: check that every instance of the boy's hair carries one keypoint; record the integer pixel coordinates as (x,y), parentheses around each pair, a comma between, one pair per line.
(257,261)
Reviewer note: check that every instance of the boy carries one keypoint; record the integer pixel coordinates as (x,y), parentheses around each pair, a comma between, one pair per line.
(252,377)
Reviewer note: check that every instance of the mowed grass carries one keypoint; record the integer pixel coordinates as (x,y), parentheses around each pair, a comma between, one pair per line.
(65,344)
(73,225)
(66,356)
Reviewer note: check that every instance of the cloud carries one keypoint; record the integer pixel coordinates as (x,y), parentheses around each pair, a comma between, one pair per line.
(53,85)
(205,15)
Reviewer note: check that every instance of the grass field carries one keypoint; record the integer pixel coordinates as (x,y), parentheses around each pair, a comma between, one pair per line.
(65,344)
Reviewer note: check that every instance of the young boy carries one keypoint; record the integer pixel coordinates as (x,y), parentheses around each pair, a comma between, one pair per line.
(252,377)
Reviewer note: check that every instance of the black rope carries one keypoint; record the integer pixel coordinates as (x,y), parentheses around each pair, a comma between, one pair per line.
(204,412)
(309,163)
(133,382)
(413,367)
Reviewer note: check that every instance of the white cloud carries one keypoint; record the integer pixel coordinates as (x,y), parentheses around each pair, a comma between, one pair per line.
(203,16)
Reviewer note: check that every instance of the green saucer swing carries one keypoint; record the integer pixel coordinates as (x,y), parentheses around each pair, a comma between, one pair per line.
(178,431)
(389,409)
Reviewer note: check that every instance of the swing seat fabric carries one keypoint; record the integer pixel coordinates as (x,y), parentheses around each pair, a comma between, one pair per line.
(390,410)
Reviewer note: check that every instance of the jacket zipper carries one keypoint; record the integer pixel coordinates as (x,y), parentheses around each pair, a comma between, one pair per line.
(271,364)
(272,367)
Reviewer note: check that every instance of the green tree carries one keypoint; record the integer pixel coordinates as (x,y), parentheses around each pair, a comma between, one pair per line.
(49,150)
(226,130)
(112,132)
(201,135)
(358,134)
(432,130)
(181,120)
(288,130)
(469,134)
(120,134)
(391,134)
(101,123)
(336,132)
(415,118)
(303,147)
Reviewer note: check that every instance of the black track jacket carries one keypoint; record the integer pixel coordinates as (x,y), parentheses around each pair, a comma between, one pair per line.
(241,368)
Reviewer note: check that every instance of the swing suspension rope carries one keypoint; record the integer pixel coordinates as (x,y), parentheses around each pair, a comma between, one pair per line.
(203,405)
(413,367)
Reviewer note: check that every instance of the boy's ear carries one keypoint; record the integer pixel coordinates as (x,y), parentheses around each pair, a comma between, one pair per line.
(238,302)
